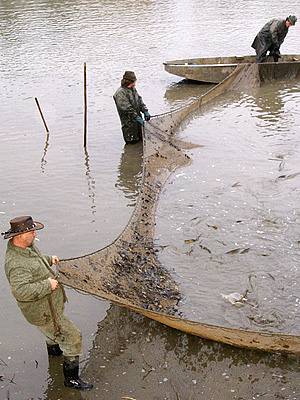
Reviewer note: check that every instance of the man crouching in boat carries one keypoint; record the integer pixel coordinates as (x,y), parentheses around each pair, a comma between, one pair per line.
(271,37)
(130,107)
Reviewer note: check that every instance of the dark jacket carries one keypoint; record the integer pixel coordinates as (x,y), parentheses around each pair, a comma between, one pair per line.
(270,38)
(130,105)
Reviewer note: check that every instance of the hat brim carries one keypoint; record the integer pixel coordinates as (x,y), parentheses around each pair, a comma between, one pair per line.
(129,80)
(9,234)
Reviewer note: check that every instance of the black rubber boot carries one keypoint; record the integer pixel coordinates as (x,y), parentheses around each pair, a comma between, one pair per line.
(54,350)
(71,374)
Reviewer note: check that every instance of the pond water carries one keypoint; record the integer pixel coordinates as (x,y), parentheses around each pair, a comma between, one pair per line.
(86,198)
(233,220)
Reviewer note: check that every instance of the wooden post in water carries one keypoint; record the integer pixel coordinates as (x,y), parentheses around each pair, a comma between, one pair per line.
(85,107)
(37,103)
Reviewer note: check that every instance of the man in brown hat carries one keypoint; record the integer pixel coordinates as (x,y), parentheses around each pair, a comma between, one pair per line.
(130,107)
(271,37)
(41,297)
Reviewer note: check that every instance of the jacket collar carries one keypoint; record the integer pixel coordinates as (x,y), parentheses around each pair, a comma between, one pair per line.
(28,252)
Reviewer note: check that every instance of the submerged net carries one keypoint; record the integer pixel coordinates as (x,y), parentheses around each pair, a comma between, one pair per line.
(128,271)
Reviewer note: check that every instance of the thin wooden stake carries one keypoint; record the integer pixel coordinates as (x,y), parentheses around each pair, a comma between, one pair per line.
(37,103)
(85,106)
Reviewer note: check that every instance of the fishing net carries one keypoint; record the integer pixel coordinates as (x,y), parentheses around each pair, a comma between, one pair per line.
(128,272)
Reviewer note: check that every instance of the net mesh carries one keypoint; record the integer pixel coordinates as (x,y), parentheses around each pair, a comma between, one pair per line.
(128,271)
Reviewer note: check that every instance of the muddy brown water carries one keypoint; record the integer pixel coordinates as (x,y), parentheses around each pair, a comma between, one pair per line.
(85,199)
(233,214)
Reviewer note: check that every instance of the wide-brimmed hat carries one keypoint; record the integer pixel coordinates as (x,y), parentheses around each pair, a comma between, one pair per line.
(292,19)
(129,76)
(20,225)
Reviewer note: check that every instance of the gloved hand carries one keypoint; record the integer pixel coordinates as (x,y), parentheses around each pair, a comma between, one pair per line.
(275,48)
(275,53)
(147,116)
(139,120)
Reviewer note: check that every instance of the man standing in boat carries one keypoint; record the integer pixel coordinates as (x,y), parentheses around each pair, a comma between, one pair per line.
(130,107)
(271,37)
(41,297)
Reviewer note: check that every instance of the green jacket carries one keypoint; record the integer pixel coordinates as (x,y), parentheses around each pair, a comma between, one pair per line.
(130,105)
(27,271)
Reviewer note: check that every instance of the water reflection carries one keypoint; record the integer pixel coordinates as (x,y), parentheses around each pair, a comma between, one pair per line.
(130,172)
(91,182)
(184,91)
(43,160)
(271,104)
(56,389)
(135,357)
(269,109)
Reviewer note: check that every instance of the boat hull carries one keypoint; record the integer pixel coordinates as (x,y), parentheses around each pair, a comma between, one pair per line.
(216,69)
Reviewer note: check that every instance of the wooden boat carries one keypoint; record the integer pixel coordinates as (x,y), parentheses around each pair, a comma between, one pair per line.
(216,69)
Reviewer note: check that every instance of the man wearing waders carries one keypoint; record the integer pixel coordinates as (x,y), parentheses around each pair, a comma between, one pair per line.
(41,297)
(271,37)
(130,107)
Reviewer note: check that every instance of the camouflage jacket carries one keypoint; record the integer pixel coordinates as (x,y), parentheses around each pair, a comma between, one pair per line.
(129,105)
(27,271)
(272,33)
